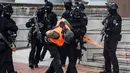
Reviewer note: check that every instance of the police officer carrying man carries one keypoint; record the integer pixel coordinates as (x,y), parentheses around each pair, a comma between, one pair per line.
(112,24)
(78,22)
(51,20)
(67,16)
(7,24)
(37,27)
(55,39)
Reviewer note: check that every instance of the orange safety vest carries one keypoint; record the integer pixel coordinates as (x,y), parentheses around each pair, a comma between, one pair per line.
(58,29)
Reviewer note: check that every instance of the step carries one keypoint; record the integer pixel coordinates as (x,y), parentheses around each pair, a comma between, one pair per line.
(100,65)
(121,61)
(119,56)
(118,52)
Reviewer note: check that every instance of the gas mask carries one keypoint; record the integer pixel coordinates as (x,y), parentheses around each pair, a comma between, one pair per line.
(8,11)
(112,7)
(40,13)
(68,5)
(48,6)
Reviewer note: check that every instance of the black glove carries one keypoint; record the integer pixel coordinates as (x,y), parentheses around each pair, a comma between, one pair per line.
(82,47)
(82,44)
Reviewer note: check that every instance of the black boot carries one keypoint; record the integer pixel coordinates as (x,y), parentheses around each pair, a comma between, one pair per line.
(36,65)
(31,66)
(104,72)
(41,58)
(115,72)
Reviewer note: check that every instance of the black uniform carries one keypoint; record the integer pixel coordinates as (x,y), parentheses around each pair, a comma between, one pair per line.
(55,66)
(7,24)
(51,20)
(36,37)
(81,42)
(112,36)
(67,16)
(78,21)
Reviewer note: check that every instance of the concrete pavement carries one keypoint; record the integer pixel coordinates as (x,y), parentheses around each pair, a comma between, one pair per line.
(20,58)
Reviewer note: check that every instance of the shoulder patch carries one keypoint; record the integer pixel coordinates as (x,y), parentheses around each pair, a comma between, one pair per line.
(114,21)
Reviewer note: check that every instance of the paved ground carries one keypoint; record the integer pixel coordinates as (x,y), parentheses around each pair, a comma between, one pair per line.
(23,68)
(21,64)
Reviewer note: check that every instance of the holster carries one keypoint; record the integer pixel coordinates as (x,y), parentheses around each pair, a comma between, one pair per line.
(119,37)
(2,46)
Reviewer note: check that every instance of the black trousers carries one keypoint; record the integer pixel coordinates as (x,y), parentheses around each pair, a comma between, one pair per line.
(36,47)
(6,62)
(63,54)
(65,49)
(55,66)
(71,53)
(44,50)
(110,46)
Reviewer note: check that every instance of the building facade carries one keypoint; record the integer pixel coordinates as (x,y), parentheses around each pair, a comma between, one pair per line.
(124,5)
(7,0)
(96,2)
(91,2)
(39,1)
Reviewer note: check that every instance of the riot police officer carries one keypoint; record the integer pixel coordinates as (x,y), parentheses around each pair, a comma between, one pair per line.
(68,8)
(51,19)
(7,24)
(78,21)
(83,26)
(67,16)
(50,16)
(55,40)
(37,27)
(112,24)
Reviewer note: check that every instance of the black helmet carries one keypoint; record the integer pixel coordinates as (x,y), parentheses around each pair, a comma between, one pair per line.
(40,11)
(1,9)
(68,4)
(8,11)
(48,6)
(81,6)
(68,36)
(111,6)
